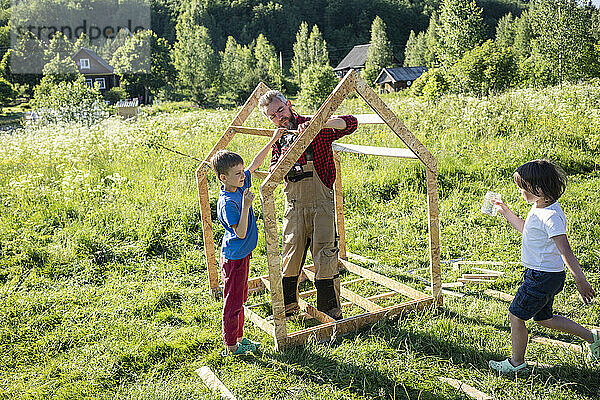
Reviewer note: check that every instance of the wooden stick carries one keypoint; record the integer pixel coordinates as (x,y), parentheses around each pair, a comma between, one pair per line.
(452,284)
(556,343)
(489,271)
(384,280)
(480,276)
(474,281)
(339,206)
(374,151)
(259,321)
(313,312)
(213,383)
(499,295)
(466,389)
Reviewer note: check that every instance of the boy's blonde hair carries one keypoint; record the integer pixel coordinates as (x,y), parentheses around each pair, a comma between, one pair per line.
(224,160)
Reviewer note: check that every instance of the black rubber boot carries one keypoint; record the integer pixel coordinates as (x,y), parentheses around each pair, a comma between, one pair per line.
(290,294)
(328,299)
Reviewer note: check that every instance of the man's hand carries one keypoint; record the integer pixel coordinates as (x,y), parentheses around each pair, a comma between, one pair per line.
(585,290)
(247,199)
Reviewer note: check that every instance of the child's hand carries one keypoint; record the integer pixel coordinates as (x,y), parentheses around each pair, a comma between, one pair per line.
(303,126)
(277,134)
(502,207)
(585,290)
(247,198)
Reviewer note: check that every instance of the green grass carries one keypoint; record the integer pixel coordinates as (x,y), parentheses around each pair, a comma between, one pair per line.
(103,290)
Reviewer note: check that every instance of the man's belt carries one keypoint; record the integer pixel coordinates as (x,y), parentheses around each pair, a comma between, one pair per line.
(299,177)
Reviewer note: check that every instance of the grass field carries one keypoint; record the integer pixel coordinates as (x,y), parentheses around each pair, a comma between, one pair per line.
(103,290)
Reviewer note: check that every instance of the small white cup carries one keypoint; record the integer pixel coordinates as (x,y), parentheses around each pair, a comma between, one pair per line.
(487,207)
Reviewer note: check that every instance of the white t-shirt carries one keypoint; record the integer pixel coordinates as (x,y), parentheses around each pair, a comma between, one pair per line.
(538,250)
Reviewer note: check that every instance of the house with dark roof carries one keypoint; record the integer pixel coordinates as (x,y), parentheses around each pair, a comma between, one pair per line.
(356,59)
(95,69)
(394,79)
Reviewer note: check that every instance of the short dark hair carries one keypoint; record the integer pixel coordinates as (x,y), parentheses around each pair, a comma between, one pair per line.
(542,178)
(223,160)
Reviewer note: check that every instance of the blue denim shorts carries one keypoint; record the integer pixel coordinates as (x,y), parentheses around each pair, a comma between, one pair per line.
(535,296)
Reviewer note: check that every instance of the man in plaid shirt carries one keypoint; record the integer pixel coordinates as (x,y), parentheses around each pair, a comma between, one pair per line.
(309,217)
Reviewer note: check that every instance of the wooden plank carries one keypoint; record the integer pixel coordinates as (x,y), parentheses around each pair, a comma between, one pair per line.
(452,284)
(374,151)
(350,282)
(362,259)
(466,389)
(246,130)
(374,297)
(212,266)
(214,384)
(313,312)
(480,276)
(351,324)
(273,261)
(474,281)
(259,321)
(489,271)
(384,280)
(339,206)
(435,252)
(256,283)
(349,295)
(369,119)
(499,295)
(308,293)
(464,262)
(556,343)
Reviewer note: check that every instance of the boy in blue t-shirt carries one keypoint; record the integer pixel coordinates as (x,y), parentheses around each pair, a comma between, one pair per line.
(234,211)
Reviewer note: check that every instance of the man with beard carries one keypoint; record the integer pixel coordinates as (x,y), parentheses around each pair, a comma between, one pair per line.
(308,220)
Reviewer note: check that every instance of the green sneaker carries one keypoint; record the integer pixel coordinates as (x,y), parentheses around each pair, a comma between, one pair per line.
(595,347)
(250,342)
(505,367)
(240,350)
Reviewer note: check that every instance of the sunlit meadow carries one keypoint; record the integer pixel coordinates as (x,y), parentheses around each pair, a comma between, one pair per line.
(103,287)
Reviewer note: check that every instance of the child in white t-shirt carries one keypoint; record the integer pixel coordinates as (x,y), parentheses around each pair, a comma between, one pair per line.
(544,252)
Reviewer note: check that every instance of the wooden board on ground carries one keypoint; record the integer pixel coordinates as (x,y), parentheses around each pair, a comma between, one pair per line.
(499,295)
(466,389)
(473,281)
(213,383)
(556,343)
(489,271)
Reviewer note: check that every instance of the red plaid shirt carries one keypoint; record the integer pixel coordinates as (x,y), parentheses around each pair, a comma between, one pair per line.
(321,144)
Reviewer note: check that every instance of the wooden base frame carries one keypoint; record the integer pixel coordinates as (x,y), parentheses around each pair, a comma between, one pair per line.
(272,282)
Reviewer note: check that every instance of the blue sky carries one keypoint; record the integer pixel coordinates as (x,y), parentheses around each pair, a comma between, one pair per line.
(596,2)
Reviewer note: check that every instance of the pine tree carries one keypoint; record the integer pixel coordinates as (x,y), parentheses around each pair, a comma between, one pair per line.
(379,54)
(267,63)
(416,48)
(505,31)
(301,57)
(237,64)
(194,60)
(317,48)
(432,42)
(461,29)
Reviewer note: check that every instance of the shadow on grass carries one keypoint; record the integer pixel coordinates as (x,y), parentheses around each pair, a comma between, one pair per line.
(366,381)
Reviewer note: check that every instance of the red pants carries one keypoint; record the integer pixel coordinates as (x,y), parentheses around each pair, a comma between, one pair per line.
(235,293)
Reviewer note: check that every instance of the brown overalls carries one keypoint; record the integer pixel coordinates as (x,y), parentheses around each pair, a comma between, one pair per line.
(309,221)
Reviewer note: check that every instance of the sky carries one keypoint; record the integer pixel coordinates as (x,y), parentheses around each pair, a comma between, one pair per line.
(596,2)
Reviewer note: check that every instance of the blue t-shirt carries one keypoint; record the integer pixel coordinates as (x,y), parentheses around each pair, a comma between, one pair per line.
(229,210)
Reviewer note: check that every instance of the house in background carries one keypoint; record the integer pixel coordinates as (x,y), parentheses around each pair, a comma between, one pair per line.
(356,59)
(394,79)
(95,69)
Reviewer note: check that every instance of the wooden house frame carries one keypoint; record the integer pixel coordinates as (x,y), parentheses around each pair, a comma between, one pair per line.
(273,281)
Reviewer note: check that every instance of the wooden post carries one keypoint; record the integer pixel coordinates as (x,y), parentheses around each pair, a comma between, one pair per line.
(339,206)
(209,242)
(273,261)
(434,235)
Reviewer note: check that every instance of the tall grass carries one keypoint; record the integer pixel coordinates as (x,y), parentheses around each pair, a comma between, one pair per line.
(103,280)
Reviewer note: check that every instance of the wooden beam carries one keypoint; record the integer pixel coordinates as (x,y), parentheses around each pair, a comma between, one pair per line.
(435,252)
(213,383)
(556,343)
(351,324)
(499,295)
(362,259)
(480,276)
(489,271)
(259,321)
(208,238)
(374,151)
(313,312)
(246,130)
(347,294)
(369,119)
(385,281)
(466,389)
(339,205)
(474,281)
